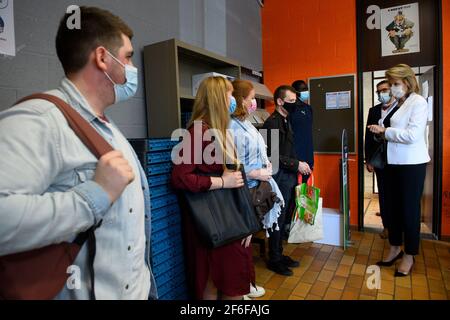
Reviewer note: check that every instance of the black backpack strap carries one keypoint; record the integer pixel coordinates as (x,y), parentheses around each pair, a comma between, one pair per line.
(89,237)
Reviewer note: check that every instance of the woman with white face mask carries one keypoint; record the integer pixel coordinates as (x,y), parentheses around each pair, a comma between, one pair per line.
(407,158)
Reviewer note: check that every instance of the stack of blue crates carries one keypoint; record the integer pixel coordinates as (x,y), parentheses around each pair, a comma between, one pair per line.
(167,256)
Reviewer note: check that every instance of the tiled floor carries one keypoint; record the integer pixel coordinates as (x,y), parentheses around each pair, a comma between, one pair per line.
(329,273)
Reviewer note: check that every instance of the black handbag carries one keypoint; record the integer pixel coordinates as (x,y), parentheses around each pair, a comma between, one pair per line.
(378,159)
(223,216)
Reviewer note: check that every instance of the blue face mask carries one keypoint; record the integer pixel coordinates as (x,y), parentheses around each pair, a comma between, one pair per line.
(304,96)
(128,89)
(233,105)
(384,97)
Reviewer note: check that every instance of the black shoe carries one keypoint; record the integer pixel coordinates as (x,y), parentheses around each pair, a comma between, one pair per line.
(390,263)
(288,262)
(280,268)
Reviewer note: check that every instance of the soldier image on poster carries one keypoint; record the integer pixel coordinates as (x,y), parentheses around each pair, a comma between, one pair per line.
(400,32)
(2,25)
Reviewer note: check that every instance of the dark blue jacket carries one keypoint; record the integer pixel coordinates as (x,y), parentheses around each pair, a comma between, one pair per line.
(302,124)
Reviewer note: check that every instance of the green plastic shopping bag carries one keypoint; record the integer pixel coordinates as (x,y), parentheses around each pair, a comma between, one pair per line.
(307,203)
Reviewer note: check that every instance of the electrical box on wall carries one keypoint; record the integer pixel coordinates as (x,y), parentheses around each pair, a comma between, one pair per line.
(198,78)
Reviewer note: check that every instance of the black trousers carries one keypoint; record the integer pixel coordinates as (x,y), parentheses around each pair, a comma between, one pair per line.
(381,181)
(287,181)
(404,188)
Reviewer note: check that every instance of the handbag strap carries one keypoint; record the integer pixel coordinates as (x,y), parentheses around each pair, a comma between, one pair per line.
(98,146)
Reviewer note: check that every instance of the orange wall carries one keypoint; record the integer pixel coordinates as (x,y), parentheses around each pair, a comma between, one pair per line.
(304,39)
(446,121)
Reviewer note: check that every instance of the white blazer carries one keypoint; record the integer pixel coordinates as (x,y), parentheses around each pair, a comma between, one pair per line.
(406,136)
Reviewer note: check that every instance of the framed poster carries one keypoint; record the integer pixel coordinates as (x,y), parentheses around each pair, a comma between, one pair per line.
(7,37)
(400,30)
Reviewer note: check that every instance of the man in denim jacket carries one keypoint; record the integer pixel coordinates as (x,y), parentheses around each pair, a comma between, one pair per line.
(52,187)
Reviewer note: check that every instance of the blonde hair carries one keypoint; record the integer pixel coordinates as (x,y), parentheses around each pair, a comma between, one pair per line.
(242,89)
(405,73)
(211,106)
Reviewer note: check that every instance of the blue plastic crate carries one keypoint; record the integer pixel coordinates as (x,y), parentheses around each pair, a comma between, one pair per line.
(161,224)
(170,274)
(166,233)
(161,168)
(155,145)
(169,264)
(160,191)
(155,181)
(179,293)
(164,256)
(171,285)
(164,212)
(159,157)
(166,244)
(163,201)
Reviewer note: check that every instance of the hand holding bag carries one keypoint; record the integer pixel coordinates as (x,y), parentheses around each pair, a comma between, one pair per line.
(223,216)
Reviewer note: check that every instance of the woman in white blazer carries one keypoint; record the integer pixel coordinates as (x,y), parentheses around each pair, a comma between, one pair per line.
(407,158)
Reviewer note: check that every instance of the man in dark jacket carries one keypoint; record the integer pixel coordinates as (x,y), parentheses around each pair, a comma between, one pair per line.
(376,113)
(286,177)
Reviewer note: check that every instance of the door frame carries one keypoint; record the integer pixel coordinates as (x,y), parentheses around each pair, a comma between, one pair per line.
(438,130)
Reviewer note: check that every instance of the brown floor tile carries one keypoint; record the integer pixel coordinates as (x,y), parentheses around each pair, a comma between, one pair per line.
(326,248)
(383,296)
(420,294)
(302,289)
(306,261)
(322,256)
(355,282)
(292,297)
(316,266)
(313,251)
(419,280)
(433,273)
(290,283)
(361,259)
(358,269)
(331,265)
(333,294)
(338,283)
(326,276)
(436,286)
(275,282)
(403,294)
(310,277)
(347,260)
(343,271)
(282,294)
(437,296)
(319,288)
(366,297)
(404,282)
(313,297)
(387,287)
(350,293)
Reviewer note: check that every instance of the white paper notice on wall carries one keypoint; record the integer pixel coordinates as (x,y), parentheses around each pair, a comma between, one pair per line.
(338,100)
(7,35)
(430,108)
